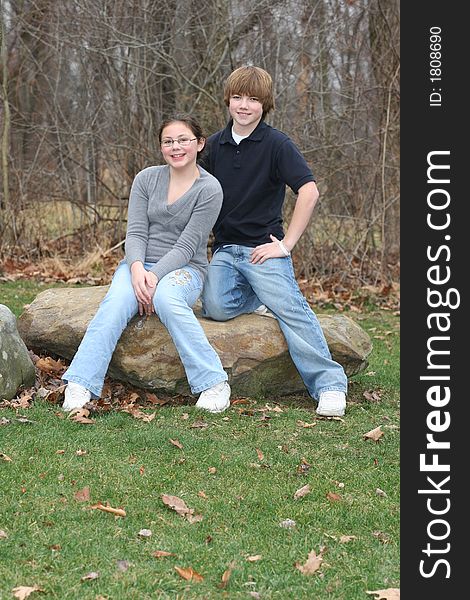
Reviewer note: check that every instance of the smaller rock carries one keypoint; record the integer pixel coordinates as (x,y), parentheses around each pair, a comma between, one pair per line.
(16,366)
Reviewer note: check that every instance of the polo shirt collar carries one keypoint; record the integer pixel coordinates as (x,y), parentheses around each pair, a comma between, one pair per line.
(256,135)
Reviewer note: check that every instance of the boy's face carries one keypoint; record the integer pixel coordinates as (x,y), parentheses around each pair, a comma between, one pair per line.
(246,112)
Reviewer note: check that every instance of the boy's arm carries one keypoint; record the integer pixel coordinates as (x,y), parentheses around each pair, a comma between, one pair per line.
(306,200)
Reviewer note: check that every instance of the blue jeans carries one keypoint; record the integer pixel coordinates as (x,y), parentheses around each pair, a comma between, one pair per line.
(234,286)
(173,300)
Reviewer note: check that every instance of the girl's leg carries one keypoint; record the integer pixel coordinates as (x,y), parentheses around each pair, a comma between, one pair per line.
(90,363)
(175,295)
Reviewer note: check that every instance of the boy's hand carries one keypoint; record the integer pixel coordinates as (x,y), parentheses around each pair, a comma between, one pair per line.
(270,250)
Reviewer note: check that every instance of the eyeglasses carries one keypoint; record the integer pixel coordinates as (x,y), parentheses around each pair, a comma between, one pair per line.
(181,141)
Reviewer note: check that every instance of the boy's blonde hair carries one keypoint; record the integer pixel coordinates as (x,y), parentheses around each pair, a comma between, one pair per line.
(250,81)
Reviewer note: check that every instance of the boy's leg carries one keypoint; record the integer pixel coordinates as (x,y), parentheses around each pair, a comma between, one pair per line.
(275,285)
(227,293)
(175,295)
(90,363)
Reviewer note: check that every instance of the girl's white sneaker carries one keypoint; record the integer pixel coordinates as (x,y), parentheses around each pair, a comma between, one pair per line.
(76,396)
(332,404)
(215,399)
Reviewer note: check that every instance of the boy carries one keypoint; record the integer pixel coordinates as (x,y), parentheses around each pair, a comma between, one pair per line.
(251,268)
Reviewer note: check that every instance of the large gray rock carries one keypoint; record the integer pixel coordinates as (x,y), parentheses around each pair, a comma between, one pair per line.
(16,366)
(252,348)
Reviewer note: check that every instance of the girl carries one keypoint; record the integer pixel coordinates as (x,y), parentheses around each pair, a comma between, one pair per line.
(172,209)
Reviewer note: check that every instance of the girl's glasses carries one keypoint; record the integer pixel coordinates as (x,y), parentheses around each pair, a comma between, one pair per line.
(181,141)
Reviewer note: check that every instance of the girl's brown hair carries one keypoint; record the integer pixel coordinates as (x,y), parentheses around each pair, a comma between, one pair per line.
(251,81)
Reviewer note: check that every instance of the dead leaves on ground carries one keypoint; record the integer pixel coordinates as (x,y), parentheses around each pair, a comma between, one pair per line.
(374,434)
(303,491)
(118,512)
(313,563)
(80,415)
(189,574)
(180,507)
(24,591)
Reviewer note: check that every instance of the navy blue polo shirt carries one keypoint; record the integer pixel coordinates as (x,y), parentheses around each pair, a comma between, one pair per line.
(253,175)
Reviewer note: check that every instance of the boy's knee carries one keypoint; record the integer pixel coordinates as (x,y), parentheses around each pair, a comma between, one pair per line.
(212,309)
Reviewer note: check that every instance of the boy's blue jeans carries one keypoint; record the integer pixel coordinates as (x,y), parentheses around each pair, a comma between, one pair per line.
(234,286)
(173,300)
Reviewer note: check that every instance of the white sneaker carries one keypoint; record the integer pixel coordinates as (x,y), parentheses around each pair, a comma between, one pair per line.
(76,396)
(215,399)
(263,311)
(332,404)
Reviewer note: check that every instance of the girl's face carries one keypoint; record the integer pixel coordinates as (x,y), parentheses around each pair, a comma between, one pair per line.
(179,145)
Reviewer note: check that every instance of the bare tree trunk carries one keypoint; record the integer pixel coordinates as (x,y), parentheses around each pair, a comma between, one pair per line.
(5,205)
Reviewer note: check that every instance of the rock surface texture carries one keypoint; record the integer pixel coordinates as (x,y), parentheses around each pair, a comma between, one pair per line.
(16,366)
(251,347)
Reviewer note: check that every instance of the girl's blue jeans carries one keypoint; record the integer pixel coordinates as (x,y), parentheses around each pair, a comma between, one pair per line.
(234,286)
(174,297)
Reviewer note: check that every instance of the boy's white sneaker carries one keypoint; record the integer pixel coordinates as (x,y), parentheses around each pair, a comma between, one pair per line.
(263,311)
(331,404)
(76,396)
(215,399)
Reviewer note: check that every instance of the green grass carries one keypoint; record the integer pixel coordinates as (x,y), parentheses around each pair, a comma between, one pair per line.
(131,464)
(16,294)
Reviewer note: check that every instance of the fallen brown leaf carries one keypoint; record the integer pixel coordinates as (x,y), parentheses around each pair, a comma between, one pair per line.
(312,565)
(259,453)
(24,591)
(212,470)
(177,504)
(344,539)
(162,553)
(81,416)
(303,491)
(138,414)
(373,395)
(194,518)
(5,457)
(155,400)
(202,494)
(374,434)
(83,495)
(306,425)
(226,575)
(199,424)
(50,366)
(176,443)
(90,576)
(180,506)
(388,594)
(254,558)
(119,512)
(333,497)
(3,535)
(189,574)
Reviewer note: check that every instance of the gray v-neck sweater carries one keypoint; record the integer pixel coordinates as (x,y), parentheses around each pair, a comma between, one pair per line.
(171,235)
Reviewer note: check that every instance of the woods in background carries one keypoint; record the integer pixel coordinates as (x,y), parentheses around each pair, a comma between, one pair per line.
(84,83)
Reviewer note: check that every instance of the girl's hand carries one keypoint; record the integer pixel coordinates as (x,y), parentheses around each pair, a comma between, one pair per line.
(144,284)
(151,281)
(265,251)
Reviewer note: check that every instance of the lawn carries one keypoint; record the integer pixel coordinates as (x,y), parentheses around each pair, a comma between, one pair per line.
(239,471)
